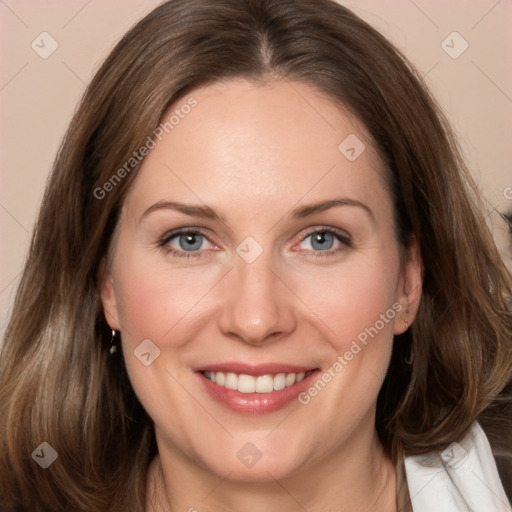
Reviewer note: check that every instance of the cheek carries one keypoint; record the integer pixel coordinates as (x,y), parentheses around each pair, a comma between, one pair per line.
(158,303)
(356,301)
(357,307)
(153,298)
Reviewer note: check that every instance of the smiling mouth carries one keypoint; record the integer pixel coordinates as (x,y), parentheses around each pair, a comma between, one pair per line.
(244,383)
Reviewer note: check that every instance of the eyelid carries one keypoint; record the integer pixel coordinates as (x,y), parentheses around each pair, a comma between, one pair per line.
(178,231)
(342,234)
(163,241)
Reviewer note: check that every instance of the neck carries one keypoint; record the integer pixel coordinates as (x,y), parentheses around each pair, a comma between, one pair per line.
(354,478)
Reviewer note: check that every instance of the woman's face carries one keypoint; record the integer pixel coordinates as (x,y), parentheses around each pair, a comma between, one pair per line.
(257,248)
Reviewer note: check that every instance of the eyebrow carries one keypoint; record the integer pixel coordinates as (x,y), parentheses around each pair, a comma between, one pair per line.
(206,212)
(311,209)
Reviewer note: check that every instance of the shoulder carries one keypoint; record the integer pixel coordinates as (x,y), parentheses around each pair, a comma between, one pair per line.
(462,478)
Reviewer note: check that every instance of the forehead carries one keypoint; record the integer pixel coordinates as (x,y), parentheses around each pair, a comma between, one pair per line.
(248,143)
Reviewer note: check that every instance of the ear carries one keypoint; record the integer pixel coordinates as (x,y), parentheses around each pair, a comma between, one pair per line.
(108,297)
(410,286)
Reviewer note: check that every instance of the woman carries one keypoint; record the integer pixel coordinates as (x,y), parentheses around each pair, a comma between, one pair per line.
(259,280)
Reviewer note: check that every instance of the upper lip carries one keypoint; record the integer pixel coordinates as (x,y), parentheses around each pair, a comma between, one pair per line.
(254,369)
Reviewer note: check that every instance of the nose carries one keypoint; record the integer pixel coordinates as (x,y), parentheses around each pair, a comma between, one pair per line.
(257,306)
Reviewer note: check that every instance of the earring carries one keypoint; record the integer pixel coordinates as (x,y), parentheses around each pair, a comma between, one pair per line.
(406,325)
(113,345)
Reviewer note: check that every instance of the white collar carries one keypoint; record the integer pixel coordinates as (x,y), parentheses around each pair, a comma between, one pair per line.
(462,478)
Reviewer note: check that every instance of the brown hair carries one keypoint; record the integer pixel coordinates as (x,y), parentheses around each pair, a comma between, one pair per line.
(58,382)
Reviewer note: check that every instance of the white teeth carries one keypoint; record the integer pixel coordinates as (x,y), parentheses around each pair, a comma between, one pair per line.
(250,384)
(279,381)
(231,381)
(246,384)
(264,384)
(290,379)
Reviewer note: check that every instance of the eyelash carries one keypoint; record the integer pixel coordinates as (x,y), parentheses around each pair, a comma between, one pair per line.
(162,243)
(341,236)
(338,234)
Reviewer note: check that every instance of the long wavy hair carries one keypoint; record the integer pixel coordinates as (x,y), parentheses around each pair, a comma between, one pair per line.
(58,382)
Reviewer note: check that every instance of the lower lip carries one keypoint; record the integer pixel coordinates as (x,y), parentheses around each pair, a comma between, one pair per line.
(256,403)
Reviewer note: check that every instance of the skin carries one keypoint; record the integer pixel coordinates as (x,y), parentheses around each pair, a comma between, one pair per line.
(254,152)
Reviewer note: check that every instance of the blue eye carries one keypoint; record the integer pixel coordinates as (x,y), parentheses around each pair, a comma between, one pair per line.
(190,241)
(322,240)
(326,241)
(185,243)
(194,244)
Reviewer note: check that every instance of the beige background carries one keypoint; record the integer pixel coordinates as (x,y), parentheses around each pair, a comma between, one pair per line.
(38,96)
